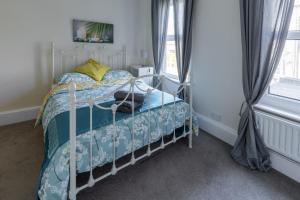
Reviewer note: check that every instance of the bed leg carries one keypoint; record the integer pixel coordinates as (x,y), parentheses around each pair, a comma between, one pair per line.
(191,139)
(196,131)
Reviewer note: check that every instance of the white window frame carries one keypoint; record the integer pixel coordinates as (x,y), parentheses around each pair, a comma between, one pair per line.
(292,35)
(172,76)
(287,106)
(163,71)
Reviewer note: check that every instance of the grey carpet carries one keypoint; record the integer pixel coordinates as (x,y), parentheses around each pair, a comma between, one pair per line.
(205,172)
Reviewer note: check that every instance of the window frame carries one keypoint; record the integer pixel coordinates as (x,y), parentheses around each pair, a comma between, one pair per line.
(292,35)
(172,76)
(283,104)
(169,38)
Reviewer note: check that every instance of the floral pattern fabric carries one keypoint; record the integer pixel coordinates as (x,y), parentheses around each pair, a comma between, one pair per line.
(73,77)
(116,74)
(55,178)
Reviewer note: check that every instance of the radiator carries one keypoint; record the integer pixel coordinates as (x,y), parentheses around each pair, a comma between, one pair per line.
(280,135)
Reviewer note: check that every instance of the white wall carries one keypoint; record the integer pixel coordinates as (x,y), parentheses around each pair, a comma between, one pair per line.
(28,27)
(146,34)
(217,73)
(217,60)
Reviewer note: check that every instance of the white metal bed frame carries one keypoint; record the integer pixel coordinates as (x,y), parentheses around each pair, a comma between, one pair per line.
(90,101)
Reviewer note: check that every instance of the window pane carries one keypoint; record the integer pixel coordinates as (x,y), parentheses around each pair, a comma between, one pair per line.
(295,21)
(170,58)
(170,30)
(170,63)
(286,80)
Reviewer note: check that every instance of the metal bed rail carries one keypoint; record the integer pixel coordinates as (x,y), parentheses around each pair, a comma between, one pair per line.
(73,189)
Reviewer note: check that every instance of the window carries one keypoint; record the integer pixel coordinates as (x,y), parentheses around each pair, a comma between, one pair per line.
(286,80)
(170,62)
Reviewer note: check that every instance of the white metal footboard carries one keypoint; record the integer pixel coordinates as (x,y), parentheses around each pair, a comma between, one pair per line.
(73,190)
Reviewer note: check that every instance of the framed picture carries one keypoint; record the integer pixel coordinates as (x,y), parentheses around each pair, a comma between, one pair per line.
(92,32)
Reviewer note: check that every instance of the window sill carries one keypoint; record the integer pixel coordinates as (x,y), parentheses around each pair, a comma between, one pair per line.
(281,107)
(170,76)
(278,113)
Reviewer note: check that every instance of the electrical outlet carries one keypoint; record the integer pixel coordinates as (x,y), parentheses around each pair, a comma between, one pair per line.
(216,116)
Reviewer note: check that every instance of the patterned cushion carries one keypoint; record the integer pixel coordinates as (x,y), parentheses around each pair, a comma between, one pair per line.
(115,74)
(76,77)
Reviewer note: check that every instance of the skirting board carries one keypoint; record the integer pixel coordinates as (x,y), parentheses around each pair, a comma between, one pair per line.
(15,116)
(280,163)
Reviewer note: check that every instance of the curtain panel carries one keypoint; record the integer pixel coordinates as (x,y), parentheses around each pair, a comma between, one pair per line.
(264,28)
(183,20)
(159,16)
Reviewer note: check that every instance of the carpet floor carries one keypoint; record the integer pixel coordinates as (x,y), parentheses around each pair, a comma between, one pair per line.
(205,172)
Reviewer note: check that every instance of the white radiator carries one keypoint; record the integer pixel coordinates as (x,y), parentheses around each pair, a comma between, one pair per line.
(280,135)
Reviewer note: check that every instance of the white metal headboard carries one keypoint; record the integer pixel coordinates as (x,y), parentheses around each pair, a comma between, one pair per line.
(64,60)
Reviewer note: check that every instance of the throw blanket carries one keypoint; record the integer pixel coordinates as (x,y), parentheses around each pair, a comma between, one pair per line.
(128,105)
(121,95)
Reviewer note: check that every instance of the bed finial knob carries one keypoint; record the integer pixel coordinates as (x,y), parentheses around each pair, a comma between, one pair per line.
(114,108)
(91,102)
(72,87)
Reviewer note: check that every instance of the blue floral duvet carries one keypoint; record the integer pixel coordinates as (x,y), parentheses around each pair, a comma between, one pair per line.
(54,178)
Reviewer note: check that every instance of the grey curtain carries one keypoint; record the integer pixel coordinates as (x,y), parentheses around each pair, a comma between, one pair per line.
(183,15)
(264,27)
(159,15)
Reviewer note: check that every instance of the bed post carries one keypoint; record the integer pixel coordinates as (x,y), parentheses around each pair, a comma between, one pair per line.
(191,117)
(52,63)
(72,99)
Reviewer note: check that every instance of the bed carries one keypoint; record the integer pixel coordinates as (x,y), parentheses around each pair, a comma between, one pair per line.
(83,129)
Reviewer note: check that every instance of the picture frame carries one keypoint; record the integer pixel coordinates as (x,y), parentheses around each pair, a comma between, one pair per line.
(92,32)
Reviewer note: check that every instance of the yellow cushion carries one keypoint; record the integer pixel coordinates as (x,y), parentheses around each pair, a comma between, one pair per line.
(93,69)
(102,67)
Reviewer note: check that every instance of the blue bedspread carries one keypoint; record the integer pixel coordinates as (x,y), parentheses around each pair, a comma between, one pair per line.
(55,170)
